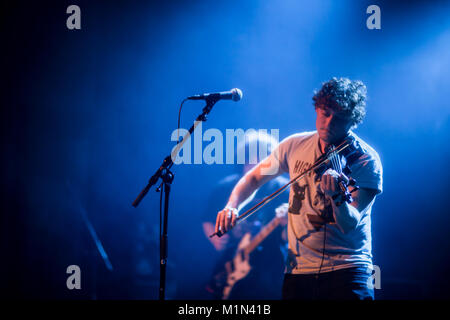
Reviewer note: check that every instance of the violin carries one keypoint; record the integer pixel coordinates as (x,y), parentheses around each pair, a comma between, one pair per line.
(340,159)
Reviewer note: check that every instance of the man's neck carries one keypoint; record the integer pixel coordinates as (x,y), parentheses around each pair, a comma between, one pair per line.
(324,144)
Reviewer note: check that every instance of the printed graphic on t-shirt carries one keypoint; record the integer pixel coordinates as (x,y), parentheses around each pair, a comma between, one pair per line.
(301,166)
(297,198)
(298,190)
(323,205)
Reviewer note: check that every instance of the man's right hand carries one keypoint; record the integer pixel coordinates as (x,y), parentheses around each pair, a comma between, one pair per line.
(226,219)
(251,181)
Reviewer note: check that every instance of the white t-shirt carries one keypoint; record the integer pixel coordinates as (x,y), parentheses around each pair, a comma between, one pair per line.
(309,209)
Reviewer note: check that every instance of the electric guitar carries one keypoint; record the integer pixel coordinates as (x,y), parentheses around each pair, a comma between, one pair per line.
(239,267)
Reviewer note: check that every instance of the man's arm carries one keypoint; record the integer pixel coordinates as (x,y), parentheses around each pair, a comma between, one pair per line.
(347,216)
(248,184)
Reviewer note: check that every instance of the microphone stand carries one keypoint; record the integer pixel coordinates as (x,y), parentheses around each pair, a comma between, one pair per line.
(167,177)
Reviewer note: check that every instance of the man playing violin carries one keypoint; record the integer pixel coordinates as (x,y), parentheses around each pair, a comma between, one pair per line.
(329,232)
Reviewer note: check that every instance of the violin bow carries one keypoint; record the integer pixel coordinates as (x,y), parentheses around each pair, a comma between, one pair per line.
(342,146)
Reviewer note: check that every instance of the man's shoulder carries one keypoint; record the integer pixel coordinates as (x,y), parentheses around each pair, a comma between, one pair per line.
(369,151)
(298,137)
(367,170)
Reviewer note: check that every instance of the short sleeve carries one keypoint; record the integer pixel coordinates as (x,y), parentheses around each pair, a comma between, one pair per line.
(368,172)
(277,160)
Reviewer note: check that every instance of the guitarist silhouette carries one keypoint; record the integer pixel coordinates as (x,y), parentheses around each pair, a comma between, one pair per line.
(240,277)
(244,273)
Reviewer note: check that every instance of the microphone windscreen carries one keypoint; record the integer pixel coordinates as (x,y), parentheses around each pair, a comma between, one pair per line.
(237,94)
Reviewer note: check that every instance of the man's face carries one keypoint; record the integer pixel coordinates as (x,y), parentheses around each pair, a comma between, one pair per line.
(331,126)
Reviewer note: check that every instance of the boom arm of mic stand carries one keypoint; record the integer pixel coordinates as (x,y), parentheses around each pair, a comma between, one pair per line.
(168,161)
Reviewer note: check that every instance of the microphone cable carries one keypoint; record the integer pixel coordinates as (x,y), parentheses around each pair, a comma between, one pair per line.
(179,118)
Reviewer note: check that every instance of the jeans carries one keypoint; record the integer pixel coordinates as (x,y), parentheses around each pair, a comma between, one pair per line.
(345,284)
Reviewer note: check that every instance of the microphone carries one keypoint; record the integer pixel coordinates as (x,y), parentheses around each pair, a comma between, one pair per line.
(234,94)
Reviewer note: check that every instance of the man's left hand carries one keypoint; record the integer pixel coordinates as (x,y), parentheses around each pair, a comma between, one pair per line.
(329,183)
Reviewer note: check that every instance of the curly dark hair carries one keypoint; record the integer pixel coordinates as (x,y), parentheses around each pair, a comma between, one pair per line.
(345,96)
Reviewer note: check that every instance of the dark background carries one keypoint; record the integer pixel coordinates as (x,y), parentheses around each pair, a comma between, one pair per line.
(87,115)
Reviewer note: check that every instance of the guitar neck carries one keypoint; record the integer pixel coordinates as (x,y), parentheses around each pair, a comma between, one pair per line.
(262,235)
